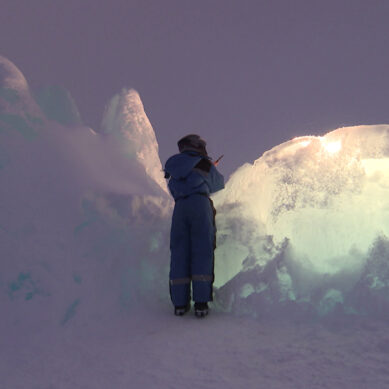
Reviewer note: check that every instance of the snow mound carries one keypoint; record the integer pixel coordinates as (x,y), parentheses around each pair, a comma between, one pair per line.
(15,95)
(57,104)
(302,224)
(11,77)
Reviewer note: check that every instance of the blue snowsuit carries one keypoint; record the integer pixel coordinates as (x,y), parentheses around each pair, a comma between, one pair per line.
(192,239)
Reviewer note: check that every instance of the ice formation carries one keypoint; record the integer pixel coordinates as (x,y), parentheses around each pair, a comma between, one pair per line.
(57,104)
(125,118)
(85,220)
(15,94)
(11,77)
(320,203)
(82,232)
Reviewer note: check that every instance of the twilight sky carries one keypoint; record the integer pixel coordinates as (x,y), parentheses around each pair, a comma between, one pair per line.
(245,74)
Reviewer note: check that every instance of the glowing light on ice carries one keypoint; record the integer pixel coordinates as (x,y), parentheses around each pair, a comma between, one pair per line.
(330,209)
(305,143)
(332,147)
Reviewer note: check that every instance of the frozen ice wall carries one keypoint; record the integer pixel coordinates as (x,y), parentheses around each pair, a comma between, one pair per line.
(302,224)
(82,227)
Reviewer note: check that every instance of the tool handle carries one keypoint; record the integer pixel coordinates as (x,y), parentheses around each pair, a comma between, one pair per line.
(218,160)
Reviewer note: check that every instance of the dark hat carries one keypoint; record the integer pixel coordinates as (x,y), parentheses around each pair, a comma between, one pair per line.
(192,142)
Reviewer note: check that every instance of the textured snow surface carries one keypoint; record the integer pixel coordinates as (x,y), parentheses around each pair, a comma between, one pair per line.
(158,350)
(11,77)
(15,93)
(306,226)
(126,119)
(302,269)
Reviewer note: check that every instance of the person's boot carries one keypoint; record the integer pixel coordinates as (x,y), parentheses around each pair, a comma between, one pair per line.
(181,310)
(201,309)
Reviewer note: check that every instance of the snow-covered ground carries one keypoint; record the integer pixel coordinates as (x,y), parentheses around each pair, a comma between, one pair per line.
(302,264)
(158,350)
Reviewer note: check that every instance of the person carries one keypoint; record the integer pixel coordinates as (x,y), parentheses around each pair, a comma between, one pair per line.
(192,178)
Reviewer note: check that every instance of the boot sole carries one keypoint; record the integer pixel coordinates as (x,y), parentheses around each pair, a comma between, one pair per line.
(201,314)
(181,311)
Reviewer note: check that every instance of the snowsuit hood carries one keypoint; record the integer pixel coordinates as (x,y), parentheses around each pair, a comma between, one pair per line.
(180,165)
(188,175)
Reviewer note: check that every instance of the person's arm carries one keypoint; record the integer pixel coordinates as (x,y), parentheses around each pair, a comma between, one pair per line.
(215,180)
(212,177)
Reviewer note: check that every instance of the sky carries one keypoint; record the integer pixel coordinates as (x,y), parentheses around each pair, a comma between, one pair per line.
(246,75)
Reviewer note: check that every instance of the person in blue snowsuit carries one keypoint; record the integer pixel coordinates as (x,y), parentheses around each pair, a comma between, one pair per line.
(192,178)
